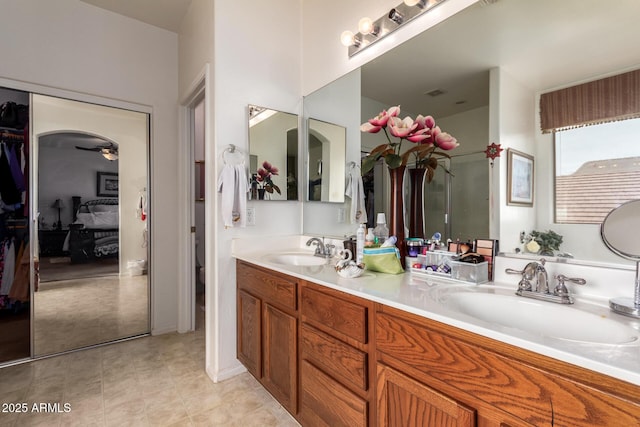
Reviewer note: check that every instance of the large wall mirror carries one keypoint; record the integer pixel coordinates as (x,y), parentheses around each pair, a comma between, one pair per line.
(90,198)
(326,143)
(449,77)
(273,154)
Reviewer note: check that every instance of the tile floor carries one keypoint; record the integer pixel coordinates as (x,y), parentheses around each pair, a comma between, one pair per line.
(71,314)
(148,381)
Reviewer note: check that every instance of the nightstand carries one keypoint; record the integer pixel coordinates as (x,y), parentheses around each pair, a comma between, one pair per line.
(51,242)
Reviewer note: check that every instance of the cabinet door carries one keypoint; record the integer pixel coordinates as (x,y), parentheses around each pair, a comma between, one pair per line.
(403,401)
(280,361)
(324,402)
(249,326)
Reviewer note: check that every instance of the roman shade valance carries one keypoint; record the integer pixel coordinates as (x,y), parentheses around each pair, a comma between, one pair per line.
(600,101)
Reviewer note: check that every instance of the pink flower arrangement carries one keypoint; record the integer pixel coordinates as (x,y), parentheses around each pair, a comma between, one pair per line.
(422,131)
(263,177)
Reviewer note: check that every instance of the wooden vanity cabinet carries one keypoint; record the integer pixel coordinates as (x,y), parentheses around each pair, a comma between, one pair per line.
(333,359)
(267,329)
(335,343)
(503,384)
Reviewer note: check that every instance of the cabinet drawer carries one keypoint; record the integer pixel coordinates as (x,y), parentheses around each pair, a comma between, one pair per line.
(278,289)
(334,314)
(333,356)
(324,402)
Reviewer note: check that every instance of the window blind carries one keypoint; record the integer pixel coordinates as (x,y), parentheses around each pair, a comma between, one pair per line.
(600,101)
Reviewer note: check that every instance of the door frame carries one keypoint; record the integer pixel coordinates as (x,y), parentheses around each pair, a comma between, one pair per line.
(198,90)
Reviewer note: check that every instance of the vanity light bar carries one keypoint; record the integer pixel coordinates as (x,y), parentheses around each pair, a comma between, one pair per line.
(372,31)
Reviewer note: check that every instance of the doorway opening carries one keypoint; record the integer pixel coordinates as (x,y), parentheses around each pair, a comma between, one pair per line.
(197,118)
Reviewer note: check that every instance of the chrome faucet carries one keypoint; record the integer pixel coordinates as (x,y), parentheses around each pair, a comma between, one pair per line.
(322,250)
(536,271)
(542,279)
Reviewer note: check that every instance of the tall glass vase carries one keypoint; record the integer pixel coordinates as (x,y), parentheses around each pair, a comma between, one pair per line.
(416,214)
(396,209)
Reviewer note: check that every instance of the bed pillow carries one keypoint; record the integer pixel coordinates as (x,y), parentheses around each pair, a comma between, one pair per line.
(98,219)
(104,208)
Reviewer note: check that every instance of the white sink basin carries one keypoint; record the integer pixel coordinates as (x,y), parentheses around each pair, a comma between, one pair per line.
(296,259)
(582,322)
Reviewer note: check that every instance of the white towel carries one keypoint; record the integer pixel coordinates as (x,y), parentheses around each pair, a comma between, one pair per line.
(355,190)
(233,183)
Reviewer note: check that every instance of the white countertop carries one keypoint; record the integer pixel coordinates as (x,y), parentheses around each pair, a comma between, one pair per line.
(416,294)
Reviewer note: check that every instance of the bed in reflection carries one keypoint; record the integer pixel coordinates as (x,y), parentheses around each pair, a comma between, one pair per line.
(94,233)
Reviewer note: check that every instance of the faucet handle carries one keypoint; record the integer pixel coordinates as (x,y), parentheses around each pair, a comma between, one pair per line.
(561,289)
(328,249)
(562,278)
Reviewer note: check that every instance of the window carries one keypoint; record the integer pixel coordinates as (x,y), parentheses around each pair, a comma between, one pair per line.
(597,169)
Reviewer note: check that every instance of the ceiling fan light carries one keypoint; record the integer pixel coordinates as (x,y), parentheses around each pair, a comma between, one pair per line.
(110,155)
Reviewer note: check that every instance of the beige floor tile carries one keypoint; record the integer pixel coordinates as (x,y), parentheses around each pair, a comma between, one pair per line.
(213,417)
(159,380)
(131,412)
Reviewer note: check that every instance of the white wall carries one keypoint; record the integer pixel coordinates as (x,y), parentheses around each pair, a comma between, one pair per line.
(259,66)
(85,52)
(515,121)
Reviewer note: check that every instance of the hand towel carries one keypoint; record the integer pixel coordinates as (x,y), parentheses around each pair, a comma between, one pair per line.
(233,183)
(355,190)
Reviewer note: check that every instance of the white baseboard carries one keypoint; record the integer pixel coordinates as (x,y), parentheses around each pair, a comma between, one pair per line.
(225,374)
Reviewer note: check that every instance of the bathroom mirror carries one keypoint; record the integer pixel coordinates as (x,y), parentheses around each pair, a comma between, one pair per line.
(617,233)
(273,154)
(326,145)
(449,78)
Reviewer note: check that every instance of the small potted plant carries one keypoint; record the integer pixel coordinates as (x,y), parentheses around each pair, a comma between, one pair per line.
(548,241)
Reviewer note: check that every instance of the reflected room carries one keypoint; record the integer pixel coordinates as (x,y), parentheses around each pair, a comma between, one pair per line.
(90,283)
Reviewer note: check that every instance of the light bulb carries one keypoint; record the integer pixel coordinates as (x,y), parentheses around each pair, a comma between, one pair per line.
(347,38)
(420,3)
(365,26)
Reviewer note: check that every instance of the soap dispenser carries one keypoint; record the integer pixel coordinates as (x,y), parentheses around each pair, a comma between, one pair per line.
(360,236)
(381,231)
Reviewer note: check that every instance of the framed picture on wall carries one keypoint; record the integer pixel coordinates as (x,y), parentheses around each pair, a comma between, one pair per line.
(107,184)
(519,178)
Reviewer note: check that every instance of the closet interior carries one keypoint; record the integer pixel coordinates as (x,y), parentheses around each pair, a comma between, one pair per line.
(15,304)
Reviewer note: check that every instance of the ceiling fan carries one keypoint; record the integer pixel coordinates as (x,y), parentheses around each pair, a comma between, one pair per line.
(109,151)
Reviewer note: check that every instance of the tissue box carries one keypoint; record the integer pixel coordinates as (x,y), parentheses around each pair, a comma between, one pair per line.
(468,272)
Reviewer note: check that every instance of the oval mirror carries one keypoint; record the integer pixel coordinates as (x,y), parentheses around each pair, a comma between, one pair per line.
(615,230)
(615,235)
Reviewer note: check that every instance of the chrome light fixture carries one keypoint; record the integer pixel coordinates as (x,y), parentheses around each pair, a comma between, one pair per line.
(371,31)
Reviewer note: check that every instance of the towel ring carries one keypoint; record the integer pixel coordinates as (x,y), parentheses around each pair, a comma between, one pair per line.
(237,154)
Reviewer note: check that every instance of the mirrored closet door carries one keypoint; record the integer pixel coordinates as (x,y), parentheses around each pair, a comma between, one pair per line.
(89,199)
(15,297)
